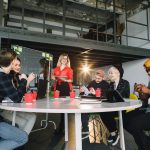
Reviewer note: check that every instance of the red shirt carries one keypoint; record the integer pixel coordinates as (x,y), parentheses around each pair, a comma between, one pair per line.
(66,72)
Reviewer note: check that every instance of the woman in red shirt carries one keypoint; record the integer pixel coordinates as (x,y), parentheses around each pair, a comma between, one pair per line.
(63,75)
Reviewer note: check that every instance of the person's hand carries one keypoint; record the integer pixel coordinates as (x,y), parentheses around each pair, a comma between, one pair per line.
(22,76)
(138,87)
(145,90)
(31,77)
(53,77)
(92,91)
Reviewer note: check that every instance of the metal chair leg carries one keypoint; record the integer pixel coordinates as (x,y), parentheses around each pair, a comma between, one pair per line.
(46,124)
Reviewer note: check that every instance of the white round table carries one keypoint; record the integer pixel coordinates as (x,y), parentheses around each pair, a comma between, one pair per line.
(68,106)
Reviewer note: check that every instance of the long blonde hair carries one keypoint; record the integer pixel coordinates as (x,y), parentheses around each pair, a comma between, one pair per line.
(61,57)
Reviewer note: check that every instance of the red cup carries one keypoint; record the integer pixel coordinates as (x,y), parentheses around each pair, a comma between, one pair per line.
(72,94)
(28,97)
(34,94)
(98,93)
(56,94)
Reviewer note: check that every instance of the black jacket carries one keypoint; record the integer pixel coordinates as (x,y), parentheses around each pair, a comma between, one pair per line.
(103,85)
(123,87)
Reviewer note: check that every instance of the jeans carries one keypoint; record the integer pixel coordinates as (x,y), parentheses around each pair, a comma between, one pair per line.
(11,137)
(25,121)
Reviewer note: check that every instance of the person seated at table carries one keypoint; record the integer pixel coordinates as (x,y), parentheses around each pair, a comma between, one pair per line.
(44,68)
(115,74)
(138,121)
(135,121)
(97,83)
(43,78)
(142,89)
(25,121)
(10,137)
(7,89)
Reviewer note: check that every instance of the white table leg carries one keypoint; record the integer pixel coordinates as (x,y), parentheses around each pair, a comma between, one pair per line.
(122,143)
(14,118)
(78,131)
(66,127)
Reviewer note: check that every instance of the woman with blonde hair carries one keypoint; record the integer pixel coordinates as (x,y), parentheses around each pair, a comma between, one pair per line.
(63,75)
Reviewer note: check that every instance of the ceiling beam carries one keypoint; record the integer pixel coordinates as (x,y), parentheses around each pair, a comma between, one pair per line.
(79,43)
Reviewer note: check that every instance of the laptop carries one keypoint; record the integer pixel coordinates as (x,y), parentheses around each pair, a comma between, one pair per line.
(114,96)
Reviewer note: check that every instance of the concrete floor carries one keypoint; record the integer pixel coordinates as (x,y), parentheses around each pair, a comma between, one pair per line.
(40,140)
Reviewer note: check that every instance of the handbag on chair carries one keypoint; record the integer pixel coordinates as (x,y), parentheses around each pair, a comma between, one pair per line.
(98,133)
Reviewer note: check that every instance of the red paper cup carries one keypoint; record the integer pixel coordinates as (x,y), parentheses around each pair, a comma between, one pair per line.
(34,94)
(56,94)
(98,93)
(72,94)
(28,97)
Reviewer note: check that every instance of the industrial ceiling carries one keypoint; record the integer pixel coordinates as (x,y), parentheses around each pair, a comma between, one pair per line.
(79,17)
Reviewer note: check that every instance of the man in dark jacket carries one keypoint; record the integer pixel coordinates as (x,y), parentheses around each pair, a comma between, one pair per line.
(97,83)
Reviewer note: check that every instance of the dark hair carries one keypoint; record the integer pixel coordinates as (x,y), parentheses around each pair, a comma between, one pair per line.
(6,57)
(18,59)
(15,76)
(44,62)
(120,69)
(45,65)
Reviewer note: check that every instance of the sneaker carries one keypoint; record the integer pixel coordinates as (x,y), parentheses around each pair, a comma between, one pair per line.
(113,139)
(110,139)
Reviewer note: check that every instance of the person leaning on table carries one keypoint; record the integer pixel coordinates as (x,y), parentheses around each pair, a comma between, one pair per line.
(25,121)
(97,83)
(135,122)
(10,136)
(115,75)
